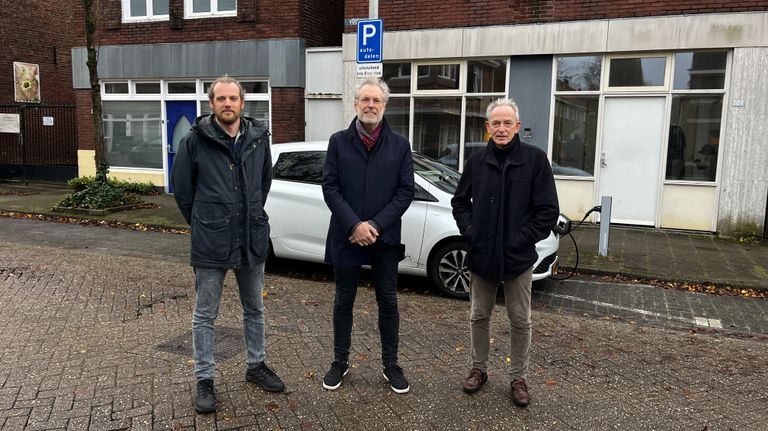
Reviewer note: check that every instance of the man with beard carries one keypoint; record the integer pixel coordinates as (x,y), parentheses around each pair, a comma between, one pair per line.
(368,185)
(221,176)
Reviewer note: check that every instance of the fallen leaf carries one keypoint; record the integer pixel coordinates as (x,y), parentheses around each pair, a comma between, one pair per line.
(273,407)
(293,404)
(550,382)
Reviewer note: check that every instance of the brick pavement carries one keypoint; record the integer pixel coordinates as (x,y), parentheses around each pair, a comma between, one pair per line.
(87,342)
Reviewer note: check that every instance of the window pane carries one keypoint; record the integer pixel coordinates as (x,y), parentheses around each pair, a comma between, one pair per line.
(475,135)
(397,114)
(438,77)
(578,73)
(437,126)
(254,87)
(486,76)
(116,88)
(201,6)
(181,88)
(694,137)
(398,77)
(575,132)
(700,70)
(225,5)
(160,7)
(637,72)
(304,166)
(133,134)
(147,88)
(138,7)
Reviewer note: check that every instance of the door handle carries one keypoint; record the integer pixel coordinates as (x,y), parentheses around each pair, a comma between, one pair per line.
(602,160)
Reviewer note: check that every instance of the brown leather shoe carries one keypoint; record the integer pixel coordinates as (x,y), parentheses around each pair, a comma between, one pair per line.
(520,393)
(475,381)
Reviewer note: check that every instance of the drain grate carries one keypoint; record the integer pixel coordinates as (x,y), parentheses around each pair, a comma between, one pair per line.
(229,343)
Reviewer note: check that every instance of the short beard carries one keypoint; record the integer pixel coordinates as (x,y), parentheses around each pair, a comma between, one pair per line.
(228,122)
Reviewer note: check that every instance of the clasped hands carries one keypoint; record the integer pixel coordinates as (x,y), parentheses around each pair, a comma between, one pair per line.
(364,234)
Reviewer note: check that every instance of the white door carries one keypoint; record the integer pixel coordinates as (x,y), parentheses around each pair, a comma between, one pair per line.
(630,157)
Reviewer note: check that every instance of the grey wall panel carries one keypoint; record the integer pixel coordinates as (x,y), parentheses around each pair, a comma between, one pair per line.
(530,85)
(281,60)
(743,173)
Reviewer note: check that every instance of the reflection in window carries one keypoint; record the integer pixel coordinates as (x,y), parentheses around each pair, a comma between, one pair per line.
(133,134)
(213,6)
(302,166)
(147,88)
(486,76)
(437,126)
(398,77)
(694,137)
(700,70)
(637,72)
(397,113)
(147,9)
(475,134)
(438,77)
(575,133)
(179,131)
(578,73)
(116,88)
(182,88)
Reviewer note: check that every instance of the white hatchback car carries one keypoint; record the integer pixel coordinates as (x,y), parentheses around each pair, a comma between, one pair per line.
(299,218)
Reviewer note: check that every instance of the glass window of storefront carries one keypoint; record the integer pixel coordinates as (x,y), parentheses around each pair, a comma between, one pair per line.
(695,116)
(134,116)
(443,111)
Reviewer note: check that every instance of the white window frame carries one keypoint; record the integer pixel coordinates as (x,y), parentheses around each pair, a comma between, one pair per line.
(189,14)
(645,89)
(149,17)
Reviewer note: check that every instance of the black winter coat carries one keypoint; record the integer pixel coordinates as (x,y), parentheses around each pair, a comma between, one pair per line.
(503,211)
(360,186)
(222,198)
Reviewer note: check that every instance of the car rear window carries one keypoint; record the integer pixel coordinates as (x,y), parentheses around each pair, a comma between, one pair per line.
(303,166)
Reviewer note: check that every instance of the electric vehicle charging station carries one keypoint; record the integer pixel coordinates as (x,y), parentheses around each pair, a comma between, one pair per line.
(605,225)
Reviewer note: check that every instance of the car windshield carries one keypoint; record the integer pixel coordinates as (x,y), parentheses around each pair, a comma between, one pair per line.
(441,176)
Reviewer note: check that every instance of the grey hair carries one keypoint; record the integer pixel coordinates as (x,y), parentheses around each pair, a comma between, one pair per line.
(502,101)
(376,82)
(226,79)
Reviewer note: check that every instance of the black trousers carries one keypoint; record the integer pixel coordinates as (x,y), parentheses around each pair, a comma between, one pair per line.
(384,260)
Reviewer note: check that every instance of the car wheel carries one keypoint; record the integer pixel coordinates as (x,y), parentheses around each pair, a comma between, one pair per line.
(448,269)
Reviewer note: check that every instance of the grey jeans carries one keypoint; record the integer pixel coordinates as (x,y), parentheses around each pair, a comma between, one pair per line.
(209,284)
(517,295)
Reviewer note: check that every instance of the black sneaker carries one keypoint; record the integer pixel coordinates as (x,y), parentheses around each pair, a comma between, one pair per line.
(394,375)
(263,376)
(335,375)
(205,401)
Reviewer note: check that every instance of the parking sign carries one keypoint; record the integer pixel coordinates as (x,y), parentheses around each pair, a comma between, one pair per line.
(369,36)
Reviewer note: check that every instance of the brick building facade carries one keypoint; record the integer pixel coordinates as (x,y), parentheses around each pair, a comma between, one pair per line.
(156,63)
(658,104)
(40,36)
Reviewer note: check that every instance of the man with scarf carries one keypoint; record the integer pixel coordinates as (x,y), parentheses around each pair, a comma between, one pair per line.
(505,202)
(368,185)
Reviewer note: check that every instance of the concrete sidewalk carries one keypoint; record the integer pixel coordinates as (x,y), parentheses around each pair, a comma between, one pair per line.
(102,342)
(643,253)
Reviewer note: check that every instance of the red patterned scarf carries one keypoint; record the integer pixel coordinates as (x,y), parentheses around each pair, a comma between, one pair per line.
(368,140)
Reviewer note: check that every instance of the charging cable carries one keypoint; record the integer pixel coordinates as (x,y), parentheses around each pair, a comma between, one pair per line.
(575,246)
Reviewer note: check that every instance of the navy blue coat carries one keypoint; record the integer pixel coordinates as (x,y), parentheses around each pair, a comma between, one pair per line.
(503,211)
(222,197)
(360,186)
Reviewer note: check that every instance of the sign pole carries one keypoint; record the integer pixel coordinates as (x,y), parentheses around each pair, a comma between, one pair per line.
(373,9)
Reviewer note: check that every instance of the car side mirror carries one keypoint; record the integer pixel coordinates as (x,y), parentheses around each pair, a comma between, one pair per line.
(563,225)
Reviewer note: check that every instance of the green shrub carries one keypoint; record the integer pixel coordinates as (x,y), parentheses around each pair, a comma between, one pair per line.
(99,195)
(145,188)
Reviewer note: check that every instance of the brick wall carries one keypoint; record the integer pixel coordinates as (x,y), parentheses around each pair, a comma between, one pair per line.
(319,22)
(84,118)
(407,15)
(39,34)
(287,115)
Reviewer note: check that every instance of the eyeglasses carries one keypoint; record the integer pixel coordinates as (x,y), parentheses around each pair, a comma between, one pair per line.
(368,100)
(507,124)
